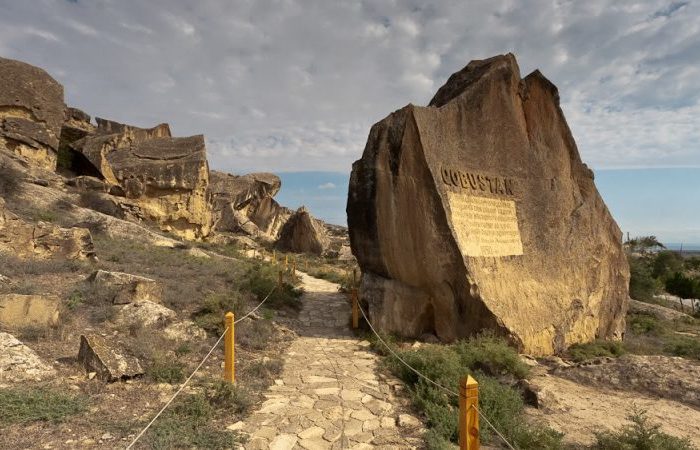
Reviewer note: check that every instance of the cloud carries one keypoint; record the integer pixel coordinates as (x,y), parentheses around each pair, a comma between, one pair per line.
(292,85)
(325,186)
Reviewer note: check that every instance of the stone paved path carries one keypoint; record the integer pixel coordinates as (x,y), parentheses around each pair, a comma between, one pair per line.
(330,395)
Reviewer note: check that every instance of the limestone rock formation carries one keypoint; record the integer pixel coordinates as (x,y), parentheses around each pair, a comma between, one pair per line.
(76,126)
(244,203)
(20,363)
(109,362)
(476,212)
(303,234)
(127,288)
(166,177)
(31,112)
(43,240)
(22,311)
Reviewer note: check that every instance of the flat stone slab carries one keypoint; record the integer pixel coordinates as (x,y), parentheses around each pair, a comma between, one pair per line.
(109,362)
(20,363)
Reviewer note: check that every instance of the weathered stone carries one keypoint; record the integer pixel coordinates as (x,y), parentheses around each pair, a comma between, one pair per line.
(268,215)
(408,421)
(75,127)
(659,311)
(106,126)
(43,239)
(303,234)
(88,183)
(241,189)
(144,313)
(477,213)
(31,112)
(184,330)
(29,311)
(127,288)
(167,177)
(20,363)
(110,363)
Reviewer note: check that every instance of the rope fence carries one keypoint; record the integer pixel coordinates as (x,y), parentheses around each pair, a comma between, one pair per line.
(434,383)
(199,366)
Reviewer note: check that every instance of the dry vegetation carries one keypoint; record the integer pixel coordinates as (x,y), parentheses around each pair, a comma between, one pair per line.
(79,411)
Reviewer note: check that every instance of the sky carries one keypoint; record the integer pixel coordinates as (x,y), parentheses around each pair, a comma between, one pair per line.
(292,85)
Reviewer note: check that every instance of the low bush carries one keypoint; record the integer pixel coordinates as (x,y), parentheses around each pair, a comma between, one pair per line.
(164,370)
(502,404)
(228,397)
(262,278)
(643,285)
(23,405)
(684,346)
(186,424)
(645,323)
(210,314)
(640,435)
(596,349)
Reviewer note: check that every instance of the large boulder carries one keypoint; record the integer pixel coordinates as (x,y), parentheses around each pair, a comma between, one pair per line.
(125,288)
(31,112)
(244,203)
(28,311)
(109,361)
(476,213)
(76,126)
(303,234)
(166,177)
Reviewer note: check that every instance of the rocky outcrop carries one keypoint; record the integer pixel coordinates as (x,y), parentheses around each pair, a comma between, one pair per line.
(28,311)
(245,204)
(42,239)
(76,126)
(31,112)
(147,314)
(303,234)
(477,213)
(20,363)
(127,288)
(166,177)
(109,362)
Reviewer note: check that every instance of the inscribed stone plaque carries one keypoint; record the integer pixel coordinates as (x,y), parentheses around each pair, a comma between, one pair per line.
(485,226)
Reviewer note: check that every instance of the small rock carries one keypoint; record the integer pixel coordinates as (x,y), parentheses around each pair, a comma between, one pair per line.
(408,421)
(111,364)
(91,375)
(236,426)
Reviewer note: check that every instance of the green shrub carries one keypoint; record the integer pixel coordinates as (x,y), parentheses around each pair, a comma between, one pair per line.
(229,397)
(210,314)
(643,286)
(645,323)
(584,352)
(685,346)
(502,404)
(665,263)
(640,435)
(166,371)
(22,405)
(683,286)
(262,278)
(491,355)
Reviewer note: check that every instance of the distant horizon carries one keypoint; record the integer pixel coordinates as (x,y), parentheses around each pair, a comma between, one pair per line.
(643,201)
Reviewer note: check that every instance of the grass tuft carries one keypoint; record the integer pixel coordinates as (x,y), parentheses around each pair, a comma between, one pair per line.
(22,405)
(640,435)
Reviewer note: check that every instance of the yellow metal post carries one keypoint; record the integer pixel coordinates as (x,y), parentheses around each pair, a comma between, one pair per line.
(286,262)
(468,414)
(355,309)
(354,277)
(229,362)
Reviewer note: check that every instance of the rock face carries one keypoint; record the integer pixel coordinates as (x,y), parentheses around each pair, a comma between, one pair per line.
(476,212)
(303,234)
(76,126)
(43,239)
(22,311)
(245,203)
(20,363)
(166,177)
(31,112)
(110,364)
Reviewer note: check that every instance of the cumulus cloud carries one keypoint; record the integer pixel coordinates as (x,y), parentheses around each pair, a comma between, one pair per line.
(295,85)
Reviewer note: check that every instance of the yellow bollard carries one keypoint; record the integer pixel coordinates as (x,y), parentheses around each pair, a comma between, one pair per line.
(229,362)
(355,310)
(354,277)
(468,414)
(286,262)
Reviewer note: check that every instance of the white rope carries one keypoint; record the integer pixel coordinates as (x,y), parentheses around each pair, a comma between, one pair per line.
(197,369)
(492,427)
(449,391)
(257,307)
(178,391)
